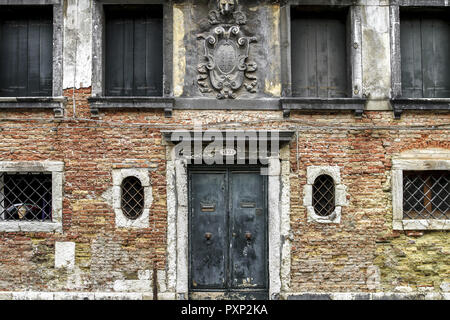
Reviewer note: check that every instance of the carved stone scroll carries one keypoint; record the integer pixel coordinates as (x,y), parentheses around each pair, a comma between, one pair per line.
(226,51)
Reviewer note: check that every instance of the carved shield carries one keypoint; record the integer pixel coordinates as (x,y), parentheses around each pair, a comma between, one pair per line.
(226,51)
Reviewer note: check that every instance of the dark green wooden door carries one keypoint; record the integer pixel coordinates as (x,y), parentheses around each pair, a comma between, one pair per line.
(228,230)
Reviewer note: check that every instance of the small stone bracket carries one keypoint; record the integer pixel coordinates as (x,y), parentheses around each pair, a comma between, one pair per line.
(59,112)
(340,193)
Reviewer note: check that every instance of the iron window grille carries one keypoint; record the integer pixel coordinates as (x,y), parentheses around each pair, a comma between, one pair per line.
(25,196)
(426,195)
(324,195)
(132,198)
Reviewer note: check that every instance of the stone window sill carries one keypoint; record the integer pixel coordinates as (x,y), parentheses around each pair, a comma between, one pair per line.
(424,224)
(324,104)
(227,104)
(17,103)
(401,104)
(132,102)
(30,226)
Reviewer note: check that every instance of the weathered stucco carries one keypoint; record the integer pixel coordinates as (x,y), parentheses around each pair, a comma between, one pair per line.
(376,56)
(179,51)
(77,66)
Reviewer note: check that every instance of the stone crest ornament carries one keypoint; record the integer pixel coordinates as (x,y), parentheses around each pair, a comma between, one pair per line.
(226,13)
(226,51)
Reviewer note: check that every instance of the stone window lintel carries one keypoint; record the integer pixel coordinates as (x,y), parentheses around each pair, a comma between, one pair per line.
(56,102)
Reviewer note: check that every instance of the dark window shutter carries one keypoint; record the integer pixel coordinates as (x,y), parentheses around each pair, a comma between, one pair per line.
(134,50)
(318,59)
(425,55)
(26,51)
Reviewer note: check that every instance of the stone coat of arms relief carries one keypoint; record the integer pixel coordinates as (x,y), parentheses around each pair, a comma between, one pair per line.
(226,51)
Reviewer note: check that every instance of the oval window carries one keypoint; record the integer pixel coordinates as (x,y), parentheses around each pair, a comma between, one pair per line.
(132,198)
(323,195)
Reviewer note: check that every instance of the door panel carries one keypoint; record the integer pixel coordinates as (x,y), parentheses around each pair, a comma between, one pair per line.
(247,230)
(228,240)
(208,234)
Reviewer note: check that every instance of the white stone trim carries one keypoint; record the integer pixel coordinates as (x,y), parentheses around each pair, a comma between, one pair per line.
(177,220)
(118,175)
(75,295)
(56,168)
(340,198)
(389,295)
(420,160)
(80,295)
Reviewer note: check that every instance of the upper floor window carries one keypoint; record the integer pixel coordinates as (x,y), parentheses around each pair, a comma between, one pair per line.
(26,51)
(319,52)
(321,63)
(133,50)
(425,53)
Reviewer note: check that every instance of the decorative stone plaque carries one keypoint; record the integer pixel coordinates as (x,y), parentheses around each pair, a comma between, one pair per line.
(226,50)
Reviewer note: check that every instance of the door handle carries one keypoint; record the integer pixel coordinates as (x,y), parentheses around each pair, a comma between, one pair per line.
(208,235)
(248,236)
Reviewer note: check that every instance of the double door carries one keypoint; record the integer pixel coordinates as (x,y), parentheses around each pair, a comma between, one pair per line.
(228,231)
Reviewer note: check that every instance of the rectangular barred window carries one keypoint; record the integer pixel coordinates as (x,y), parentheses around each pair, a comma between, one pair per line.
(319,52)
(26,51)
(25,196)
(425,53)
(134,50)
(426,195)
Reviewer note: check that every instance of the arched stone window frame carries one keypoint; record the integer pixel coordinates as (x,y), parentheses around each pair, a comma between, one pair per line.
(118,176)
(340,198)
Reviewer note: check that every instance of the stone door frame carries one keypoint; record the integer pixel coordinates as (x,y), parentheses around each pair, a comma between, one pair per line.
(278,223)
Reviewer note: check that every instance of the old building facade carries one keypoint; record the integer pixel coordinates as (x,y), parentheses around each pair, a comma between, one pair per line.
(345,103)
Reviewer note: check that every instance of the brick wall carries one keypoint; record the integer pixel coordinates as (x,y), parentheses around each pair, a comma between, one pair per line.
(361,254)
